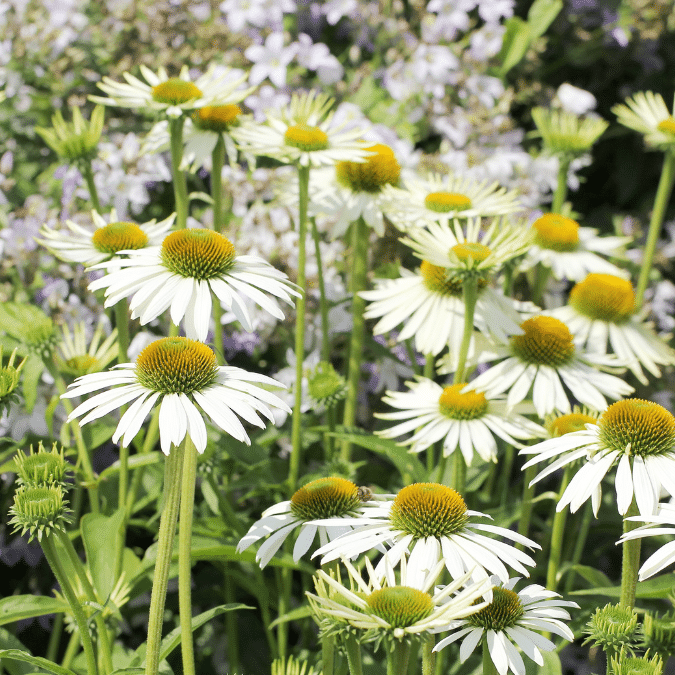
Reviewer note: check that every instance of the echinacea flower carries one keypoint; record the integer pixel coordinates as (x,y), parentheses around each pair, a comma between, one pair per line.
(182,273)
(648,114)
(184,379)
(397,609)
(571,251)
(76,140)
(442,198)
(513,619)
(542,360)
(565,133)
(637,436)
(81,245)
(602,315)
(304,132)
(328,499)
(76,358)
(433,521)
(468,421)
(173,95)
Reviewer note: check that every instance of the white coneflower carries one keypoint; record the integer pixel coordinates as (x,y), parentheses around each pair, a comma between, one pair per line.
(647,113)
(76,358)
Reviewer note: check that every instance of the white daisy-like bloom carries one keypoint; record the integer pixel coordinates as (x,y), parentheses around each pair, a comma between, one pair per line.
(328,499)
(353,190)
(648,114)
(82,245)
(181,274)
(74,356)
(304,132)
(662,522)
(637,436)
(183,377)
(173,95)
(468,421)
(431,522)
(429,304)
(545,360)
(601,314)
(513,619)
(396,609)
(441,198)
(571,252)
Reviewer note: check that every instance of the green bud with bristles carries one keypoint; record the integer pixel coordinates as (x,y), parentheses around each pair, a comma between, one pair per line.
(612,628)
(76,140)
(566,134)
(39,510)
(291,667)
(658,633)
(41,468)
(626,664)
(9,381)
(326,387)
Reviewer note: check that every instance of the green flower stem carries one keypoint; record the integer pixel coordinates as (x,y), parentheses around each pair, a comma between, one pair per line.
(560,193)
(397,658)
(91,185)
(353,655)
(151,436)
(580,541)
(72,648)
(55,638)
(285,584)
(296,428)
(505,469)
(470,292)
(541,276)
(173,473)
(49,549)
(429,373)
(358,284)
(82,451)
(488,665)
(631,560)
(218,329)
(458,472)
(231,621)
(323,301)
(179,181)
(428,655)
(217,162)
(663,193)
(557,533)
(105,650)
(187,501)
(526,505)
(328,654)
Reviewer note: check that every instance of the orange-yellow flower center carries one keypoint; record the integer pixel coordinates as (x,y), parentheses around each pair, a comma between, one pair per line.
(444,202)
(119,237)
(428,510)
(457,406)
(567,424)
(477,252)
(400,606)
(306,138)
(546,341)
(604,297)
(667,125)
(218,118)
(435,279)
(197,253)
(325,498)
(503,612)
(175,91)
(379,169)
(556,232)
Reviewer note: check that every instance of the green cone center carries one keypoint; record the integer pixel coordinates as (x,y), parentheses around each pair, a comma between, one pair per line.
(400,606)
(503,612)
(197,253)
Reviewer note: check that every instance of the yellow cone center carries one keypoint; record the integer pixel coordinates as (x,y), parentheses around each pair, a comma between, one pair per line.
(428,510)
(445,202)
(566,424)
(400,606)
(667,125)
(176,365)
(458,406)
(503,612)
(119,237)
(604,297)
(325,498)
(218,118)
(546,341)
(379,169)
(637,427)
(477,252)
(175,91)
(306,138)
(556,232)
(197,253)
(436,279)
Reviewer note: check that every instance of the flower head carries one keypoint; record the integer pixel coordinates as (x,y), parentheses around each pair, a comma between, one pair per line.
(181,275)
(512,617)
(41,468)
(9,380)
(39,510)
(77,359)
(183,378)
(647,113)
(76,140)
(567,134)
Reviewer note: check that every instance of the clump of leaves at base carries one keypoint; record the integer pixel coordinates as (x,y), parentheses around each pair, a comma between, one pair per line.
(627,664)
(9,381)
(612,628)
(42,468)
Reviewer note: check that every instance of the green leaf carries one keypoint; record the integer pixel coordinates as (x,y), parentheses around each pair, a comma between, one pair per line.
(551,665)
(595,578)
(15,316)
(655,588)
(294,615)
(9,641)
(136,461)
(44,664)
(95,435)
(30,376)
(100,536)
(17,607)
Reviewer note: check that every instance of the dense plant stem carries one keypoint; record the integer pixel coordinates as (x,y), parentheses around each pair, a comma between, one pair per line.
(91,185)
(173,472)
(49,549)
(72,649)
(458,472)
(353,655)
(580,541)
(470,293)
(151,436)
(663,193)
(217,161)
(296,427)
(557,533)
(397,658)
(187,500)
(488,665)
(526,504)
(328,654)
(631,560)
(358,283)
(323,301)
(428,655)
(178,175)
